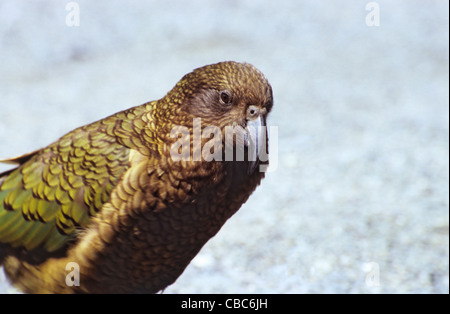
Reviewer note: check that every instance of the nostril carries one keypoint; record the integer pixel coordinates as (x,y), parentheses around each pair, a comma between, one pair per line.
(252,111)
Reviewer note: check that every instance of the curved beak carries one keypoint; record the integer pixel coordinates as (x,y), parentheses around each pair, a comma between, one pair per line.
(255,138)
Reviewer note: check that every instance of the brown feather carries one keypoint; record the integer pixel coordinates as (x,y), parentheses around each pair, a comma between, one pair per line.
(109,196)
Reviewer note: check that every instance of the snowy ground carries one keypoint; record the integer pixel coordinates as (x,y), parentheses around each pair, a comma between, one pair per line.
(359,202)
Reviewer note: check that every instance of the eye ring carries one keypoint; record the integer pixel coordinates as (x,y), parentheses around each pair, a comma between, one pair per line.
(225,97)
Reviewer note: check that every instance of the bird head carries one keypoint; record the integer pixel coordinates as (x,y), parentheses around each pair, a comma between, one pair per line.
(229,95)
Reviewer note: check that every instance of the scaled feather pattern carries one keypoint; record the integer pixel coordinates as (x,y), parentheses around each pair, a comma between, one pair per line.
(111,198)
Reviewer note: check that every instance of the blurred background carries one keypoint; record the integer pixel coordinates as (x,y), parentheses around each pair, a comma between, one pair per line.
(359,202)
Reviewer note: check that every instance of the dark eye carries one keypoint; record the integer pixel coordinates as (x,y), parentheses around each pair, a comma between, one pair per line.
(225,97)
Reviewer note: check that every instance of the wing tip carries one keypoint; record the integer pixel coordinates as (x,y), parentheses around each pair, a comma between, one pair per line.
(19,160)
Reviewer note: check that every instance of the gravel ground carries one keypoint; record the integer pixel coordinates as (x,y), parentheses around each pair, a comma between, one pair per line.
(359,202)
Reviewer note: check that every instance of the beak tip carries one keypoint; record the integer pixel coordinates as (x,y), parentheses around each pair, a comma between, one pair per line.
(254,139)
(252,167)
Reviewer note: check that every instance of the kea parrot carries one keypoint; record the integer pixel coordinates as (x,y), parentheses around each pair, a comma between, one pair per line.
(128,201)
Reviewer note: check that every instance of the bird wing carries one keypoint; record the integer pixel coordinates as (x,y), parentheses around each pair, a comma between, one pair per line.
(56,190)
